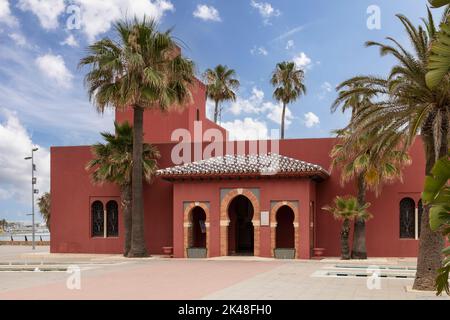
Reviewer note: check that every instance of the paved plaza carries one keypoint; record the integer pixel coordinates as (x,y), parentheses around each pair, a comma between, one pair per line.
(39,275)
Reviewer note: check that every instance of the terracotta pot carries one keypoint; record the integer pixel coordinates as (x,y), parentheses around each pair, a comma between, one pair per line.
(168,250)
(319,252)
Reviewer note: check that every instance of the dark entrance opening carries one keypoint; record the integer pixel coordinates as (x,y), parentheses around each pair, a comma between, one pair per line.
(240,231)
(198,228)
(285,237)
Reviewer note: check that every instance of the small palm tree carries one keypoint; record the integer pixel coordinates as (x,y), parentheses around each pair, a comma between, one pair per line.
(347,209)
(113,163)
(289,85)
(44,204)
(142,69)
(221,86)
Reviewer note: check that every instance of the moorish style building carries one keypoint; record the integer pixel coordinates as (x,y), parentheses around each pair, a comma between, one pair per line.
(250,201)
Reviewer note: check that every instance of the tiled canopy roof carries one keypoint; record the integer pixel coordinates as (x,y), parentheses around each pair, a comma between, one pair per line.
(245,165)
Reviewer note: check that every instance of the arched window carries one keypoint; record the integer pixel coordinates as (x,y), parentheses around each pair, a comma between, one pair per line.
(97,219)
(407,219)
(420,210)
(112,219)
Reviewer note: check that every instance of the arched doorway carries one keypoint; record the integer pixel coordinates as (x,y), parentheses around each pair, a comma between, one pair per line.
(285,228)
(241,230)
(198,228)
(285,232)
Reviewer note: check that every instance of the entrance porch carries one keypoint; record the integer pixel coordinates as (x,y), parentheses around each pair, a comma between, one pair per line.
(221,211)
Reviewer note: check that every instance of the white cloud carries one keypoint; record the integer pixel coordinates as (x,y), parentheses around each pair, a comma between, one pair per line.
(97,16)
(274,112)
(302,61)
(65,116)
(248,129)
(6,16)
(311,120)
(206,13)
(256,105)
(19,39)
(70,41)
(259,50)
(54,68)
(290,44)
(326,88)
(289,33)
(265,9)
(47,11)
(15,172)
(250,105)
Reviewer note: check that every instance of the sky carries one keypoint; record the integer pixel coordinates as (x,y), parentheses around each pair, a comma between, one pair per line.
(43,101)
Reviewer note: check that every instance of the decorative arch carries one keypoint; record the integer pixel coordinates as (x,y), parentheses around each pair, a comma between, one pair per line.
(273,224)
(187,221)
(98,219)
(408,225)
(225,219)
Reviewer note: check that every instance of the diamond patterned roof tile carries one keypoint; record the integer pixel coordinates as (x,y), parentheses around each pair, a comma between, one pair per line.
(270,163)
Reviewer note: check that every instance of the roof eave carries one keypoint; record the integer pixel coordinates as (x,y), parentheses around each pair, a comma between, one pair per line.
(315,175)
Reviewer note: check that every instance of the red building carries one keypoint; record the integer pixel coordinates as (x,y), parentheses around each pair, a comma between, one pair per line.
(254,199)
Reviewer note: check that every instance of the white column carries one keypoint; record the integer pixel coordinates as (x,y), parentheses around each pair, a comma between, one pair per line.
(416,220)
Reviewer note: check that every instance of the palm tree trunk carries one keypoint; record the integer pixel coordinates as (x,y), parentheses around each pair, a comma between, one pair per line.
(282,120)
(126,209)
(359,250)
(431,243)
(138,247)
(345,248)
(216,112)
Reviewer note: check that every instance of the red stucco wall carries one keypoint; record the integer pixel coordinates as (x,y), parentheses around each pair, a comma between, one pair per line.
(72,192)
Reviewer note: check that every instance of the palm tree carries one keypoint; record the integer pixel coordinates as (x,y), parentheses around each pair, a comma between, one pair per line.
(141,69)
(113,163)
(289,86)
(369,165)
(405,107)
(347,209)
(221,86)
(44,204)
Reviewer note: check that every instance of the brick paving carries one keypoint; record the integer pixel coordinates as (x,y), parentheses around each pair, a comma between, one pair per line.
(114,277)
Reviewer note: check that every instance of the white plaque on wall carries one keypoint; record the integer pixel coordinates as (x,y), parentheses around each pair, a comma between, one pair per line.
(265,219)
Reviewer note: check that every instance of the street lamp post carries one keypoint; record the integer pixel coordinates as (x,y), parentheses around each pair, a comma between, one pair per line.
(33,192)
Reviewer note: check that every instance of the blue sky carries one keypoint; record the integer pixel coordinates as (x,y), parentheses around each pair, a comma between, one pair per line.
(43,101)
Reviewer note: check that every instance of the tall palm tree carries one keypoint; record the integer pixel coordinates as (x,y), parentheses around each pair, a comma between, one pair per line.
(347,209)
(406,106)
(113,163)
(289,85)
(44,204)
(370,166)
(221,86)
(141,69)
